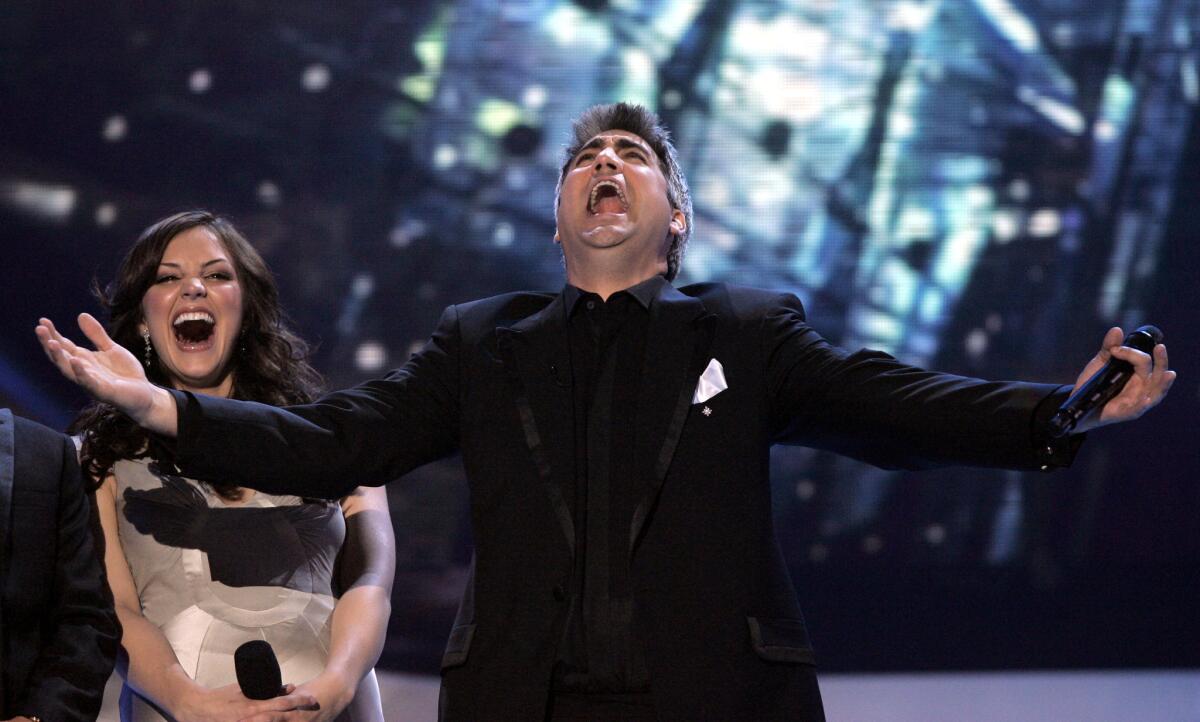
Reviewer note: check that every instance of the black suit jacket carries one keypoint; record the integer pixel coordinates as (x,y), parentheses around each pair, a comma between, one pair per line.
(715,607)
(58,631)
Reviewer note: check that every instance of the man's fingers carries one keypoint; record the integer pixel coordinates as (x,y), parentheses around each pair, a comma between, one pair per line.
(1141,361)
(52,331)
(81,373)
(95,332)
(59,357)
(1159,372)
(1112,340)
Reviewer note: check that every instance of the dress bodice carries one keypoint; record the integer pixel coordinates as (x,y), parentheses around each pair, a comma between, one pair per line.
(213,574)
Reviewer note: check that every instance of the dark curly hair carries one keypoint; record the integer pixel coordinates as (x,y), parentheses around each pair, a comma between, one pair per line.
(270,366)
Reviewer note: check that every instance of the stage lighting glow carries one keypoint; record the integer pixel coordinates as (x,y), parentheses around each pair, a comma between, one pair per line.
(115,128)
(1105,131)
(880,328)
(200,80)
(911,16)
(46,201)
(1188,80)
(106,214)
(1045,222)
(1063,34)
(405,233)
(932,304)
(495,116)
(1118,100)
(363,285)
(1061,114)
(935,534)
(418,87)
(1011,23)
(1005,225)
(958,256)
(534,96)
(571,27)
(445,156)
(915,222)
(1018,190)
(316,77)
(370,356)
(503,235)
(638,81)
(269,194)
(976,343)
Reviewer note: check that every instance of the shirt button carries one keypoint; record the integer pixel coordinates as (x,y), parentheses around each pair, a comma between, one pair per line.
(591,305)
(560,593)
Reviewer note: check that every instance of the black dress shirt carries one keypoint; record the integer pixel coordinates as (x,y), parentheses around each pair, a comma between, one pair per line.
(607,339)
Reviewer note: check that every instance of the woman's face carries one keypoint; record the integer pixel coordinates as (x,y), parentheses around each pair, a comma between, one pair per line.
(193,311)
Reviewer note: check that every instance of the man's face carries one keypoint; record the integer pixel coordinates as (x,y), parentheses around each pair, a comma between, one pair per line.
(614,199)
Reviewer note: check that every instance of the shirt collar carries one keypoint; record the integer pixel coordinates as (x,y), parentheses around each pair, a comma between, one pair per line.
(644,292)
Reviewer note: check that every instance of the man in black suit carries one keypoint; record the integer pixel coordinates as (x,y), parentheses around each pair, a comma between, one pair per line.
(58,630)
(615,436)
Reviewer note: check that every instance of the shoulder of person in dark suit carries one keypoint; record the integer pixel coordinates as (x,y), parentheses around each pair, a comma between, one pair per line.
(61,631)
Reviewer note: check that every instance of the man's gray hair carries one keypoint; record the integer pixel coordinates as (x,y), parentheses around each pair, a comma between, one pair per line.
(646,125)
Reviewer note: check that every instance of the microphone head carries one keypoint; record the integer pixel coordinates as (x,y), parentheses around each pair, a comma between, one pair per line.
(1145,338)
(257,670)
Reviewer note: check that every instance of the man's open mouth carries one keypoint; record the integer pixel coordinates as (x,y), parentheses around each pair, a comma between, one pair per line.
(194,330)
(607,197)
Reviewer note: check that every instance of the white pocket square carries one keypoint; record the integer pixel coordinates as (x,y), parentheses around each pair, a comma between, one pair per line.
(712,382)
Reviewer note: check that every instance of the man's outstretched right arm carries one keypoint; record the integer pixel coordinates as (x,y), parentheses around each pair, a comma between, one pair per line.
(366,435)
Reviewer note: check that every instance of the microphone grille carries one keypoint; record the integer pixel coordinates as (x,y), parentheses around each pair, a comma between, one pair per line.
(1153,332)
(1145,338)
(257,670)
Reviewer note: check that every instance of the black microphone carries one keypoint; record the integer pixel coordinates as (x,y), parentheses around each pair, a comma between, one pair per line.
(257,670)
(1103,385)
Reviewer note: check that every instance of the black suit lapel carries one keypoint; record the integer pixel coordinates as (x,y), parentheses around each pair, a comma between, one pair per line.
(537,358)
(678,343)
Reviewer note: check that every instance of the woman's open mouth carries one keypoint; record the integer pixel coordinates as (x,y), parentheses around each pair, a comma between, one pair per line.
(193,330)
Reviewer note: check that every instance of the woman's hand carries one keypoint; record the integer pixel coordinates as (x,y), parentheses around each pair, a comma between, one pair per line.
(332,693)
(110,374)
(228,704)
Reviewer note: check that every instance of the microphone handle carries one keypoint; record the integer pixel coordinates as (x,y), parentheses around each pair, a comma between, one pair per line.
(1093,395)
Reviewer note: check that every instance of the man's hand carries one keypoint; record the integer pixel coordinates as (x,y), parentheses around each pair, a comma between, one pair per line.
(110,374)
(1145,389)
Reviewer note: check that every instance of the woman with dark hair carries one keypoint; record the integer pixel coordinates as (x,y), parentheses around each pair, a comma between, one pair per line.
(199,568)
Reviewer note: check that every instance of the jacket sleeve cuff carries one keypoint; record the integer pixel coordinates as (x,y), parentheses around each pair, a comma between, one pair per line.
(1053,453)
(187,411)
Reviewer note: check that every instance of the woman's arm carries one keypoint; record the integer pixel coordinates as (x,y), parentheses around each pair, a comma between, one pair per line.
(147,661)
(364,572)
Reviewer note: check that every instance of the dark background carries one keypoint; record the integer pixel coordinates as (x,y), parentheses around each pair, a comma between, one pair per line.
(980,187)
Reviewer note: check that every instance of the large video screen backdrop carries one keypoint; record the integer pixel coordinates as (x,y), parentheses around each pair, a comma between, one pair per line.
(981,186)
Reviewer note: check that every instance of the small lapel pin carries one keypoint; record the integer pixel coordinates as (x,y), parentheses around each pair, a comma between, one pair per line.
(706,411)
